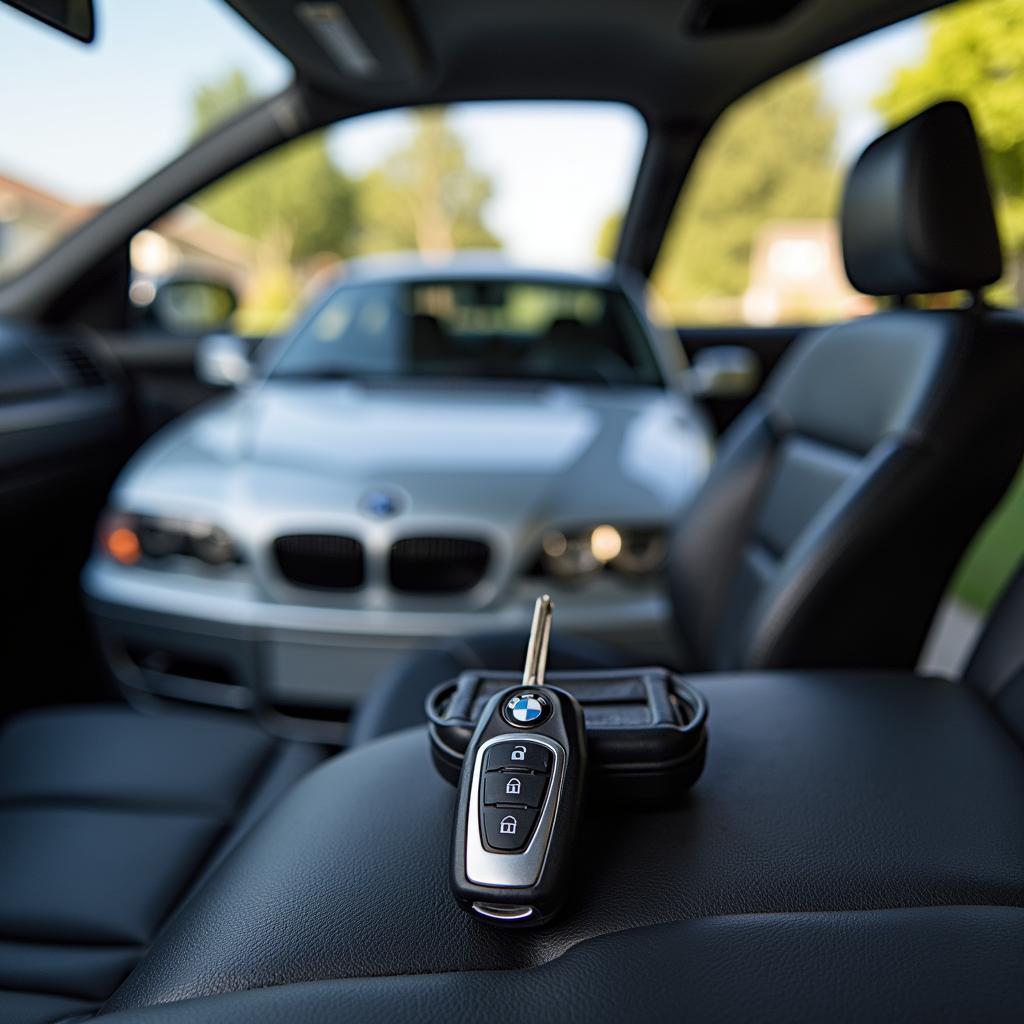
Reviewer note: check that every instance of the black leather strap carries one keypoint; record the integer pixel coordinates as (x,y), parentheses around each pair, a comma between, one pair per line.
(397,700)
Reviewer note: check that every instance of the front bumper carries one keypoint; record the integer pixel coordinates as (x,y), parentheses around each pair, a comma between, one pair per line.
(173,636)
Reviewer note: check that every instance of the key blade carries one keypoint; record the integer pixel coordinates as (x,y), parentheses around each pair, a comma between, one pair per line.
(540,639)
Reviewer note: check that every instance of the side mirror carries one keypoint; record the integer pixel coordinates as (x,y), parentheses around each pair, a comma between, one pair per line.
(222,360)
(723,371)
(191,307)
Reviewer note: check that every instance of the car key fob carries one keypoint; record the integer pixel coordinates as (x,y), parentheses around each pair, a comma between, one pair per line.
(519,797)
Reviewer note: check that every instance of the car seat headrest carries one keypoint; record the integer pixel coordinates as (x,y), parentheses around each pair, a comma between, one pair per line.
(917,213)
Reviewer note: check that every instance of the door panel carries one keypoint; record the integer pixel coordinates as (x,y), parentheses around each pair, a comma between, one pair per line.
(769,344)
(160,369)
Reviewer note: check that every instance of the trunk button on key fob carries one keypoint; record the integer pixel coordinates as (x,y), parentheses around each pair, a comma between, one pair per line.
(508,828)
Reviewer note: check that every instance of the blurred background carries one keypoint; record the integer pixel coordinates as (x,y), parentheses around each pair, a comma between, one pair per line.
(753,240)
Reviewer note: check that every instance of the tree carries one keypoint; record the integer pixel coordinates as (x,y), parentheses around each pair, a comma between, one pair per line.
(294,203)
(608,236)
(217,101)
(770,158)
(975,53)
(425,196)
(293,200)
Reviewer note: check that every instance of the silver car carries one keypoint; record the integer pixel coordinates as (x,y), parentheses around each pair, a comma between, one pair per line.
(432,447)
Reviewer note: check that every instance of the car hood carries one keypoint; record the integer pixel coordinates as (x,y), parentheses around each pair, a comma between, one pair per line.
(479,451)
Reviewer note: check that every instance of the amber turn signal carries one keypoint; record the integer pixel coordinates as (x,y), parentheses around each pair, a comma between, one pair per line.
(122,544)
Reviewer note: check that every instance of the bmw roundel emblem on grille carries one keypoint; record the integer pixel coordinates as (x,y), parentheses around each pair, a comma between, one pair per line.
(526,709)
(381,504)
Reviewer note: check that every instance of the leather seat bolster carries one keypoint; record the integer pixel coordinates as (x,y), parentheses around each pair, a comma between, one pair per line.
(948,963)
(109,819)
(996,668)
(198,764)
(844,496)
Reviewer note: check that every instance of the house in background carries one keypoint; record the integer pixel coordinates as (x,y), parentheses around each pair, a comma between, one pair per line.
(185,241)
(32,220)
(797,276)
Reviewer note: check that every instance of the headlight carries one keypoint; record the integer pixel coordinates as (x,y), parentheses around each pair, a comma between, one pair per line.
(131,539)
(579,553)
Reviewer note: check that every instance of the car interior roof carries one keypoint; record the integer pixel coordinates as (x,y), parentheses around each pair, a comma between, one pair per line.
(666,65)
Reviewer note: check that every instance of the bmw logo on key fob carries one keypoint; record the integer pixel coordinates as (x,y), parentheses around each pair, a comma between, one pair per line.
(527,709)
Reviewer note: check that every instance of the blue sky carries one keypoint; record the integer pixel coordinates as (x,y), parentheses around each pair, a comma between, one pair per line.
(89,122)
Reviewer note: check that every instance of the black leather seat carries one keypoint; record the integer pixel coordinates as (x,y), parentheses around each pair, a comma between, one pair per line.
(996,669)
(853,851)
(108,819)
(842,498)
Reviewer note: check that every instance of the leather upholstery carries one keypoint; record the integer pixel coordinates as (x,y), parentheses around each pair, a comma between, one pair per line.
(917,214)
(934,964)
(823,793)
(843,497)
(996,668)
(109,818)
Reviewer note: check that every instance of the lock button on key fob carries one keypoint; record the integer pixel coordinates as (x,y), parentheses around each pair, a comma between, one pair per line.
(514,788)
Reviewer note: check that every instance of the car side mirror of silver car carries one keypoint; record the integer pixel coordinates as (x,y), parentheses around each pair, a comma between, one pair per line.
(222,361)
(723,371)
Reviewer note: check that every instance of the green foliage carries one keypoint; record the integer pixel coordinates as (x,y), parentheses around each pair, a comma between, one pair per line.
(217,101)
(770,158)
(608,236)
(294,201)
(296,206)
(300,207)
(976,54)
(425,196)
(995,553)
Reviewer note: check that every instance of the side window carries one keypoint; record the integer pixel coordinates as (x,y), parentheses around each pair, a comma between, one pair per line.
(754,237)
(429,181)
(279,228)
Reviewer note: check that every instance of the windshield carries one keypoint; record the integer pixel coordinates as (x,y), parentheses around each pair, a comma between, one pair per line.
(81,125)
(483,329)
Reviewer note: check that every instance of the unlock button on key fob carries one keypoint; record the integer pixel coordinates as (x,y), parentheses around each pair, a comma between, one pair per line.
(525,756)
